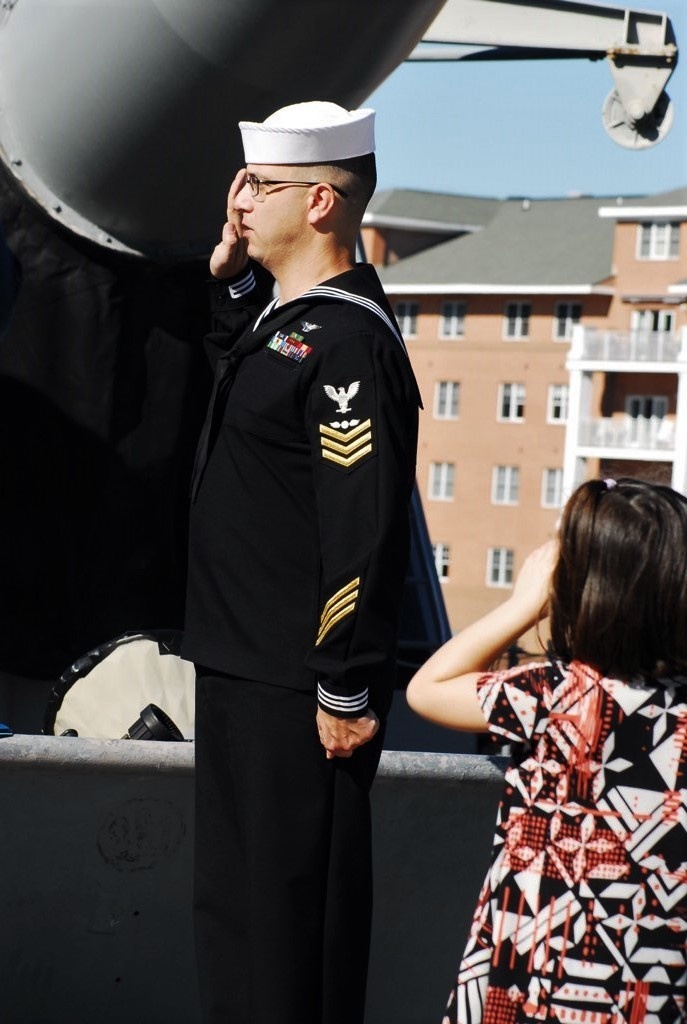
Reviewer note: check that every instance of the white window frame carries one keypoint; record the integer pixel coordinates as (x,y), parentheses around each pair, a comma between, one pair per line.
(452,320)
(505,485)
(446,400)
(442,481)
(442,561)
(658,240)
(566,315)
(407,314)
(515,393)
(519,318)
(558,399)
(552,484)
(500,562)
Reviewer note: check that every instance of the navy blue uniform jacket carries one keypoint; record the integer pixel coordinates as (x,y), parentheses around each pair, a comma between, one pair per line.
(299,530)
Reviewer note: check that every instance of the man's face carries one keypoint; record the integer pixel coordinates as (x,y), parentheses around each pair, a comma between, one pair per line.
(273,221)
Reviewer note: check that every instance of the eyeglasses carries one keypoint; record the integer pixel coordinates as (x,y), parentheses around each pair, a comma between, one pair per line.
(254,184)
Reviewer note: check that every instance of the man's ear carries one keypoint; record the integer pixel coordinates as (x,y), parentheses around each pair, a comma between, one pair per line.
(321,200)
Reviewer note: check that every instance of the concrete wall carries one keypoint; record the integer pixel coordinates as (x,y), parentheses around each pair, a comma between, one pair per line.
(95,862)
(433,820)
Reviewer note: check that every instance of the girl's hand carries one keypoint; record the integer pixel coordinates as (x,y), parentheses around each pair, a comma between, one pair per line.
(444,689)
(533,583)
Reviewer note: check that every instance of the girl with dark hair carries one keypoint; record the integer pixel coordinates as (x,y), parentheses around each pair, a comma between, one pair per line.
(583,914)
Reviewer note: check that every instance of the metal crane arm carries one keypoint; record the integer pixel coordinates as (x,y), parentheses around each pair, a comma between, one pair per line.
(639,45)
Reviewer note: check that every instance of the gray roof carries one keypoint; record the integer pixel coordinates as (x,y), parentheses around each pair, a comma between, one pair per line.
(538,242)
(677,197)
(441,208)
(632,207)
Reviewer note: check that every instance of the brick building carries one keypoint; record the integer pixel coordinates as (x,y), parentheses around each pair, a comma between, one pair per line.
(549,338)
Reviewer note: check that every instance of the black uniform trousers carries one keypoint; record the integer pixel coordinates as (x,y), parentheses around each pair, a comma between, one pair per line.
(283,889)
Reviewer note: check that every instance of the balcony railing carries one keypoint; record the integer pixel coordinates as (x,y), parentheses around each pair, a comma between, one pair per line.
(654,433)
(627,346)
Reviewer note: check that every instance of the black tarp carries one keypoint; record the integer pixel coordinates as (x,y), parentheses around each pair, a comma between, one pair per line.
(10,278)
(103,386)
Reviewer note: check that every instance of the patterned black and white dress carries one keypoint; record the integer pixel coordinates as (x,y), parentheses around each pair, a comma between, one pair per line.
(582,918)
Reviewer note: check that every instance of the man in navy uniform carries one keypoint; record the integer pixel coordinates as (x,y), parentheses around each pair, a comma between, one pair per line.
(298,550)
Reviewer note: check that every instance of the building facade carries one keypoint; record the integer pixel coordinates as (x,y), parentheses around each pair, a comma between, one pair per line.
(549,339)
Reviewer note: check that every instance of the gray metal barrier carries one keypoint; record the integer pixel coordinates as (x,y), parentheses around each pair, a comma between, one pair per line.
(95,870)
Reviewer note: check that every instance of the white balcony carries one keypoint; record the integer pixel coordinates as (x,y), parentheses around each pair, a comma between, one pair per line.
(642,429)
(631,434)
(629,347)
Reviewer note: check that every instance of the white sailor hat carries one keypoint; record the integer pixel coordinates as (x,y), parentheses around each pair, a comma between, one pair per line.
(308,133)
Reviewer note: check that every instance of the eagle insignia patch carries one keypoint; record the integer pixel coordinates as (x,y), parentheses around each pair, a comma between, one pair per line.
(345,442)
(342,396)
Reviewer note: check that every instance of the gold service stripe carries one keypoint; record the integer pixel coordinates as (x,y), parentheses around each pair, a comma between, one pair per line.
(340,593)
(339,605)
(334,618)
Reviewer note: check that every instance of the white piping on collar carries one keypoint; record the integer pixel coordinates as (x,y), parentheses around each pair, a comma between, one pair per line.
(338,293)
(268,309)
(327,292)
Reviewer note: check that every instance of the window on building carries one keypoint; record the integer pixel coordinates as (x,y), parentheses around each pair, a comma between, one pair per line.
(646,419)
(658,241)
(452,323)
(511,402)
(446,399)
(652,321)
(557,403)
(552,488)
(505,485)
(567,314)
(516,321)
(646,406)
(442,481)
(500,567)
(442,560)
(406,314)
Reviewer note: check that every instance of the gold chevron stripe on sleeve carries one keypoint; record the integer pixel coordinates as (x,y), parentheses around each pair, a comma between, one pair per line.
(341,461)
(346,447)
(338,607)
(345,435)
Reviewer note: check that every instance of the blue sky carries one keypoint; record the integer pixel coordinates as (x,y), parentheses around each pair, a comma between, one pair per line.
(522,128)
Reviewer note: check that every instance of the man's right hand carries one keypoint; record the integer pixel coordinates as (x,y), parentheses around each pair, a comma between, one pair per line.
(230,255)
(341,736)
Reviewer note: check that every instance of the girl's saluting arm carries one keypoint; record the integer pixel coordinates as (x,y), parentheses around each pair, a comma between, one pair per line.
(443,690)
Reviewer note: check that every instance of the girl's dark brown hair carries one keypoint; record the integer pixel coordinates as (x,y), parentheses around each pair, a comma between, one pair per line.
(619,589)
